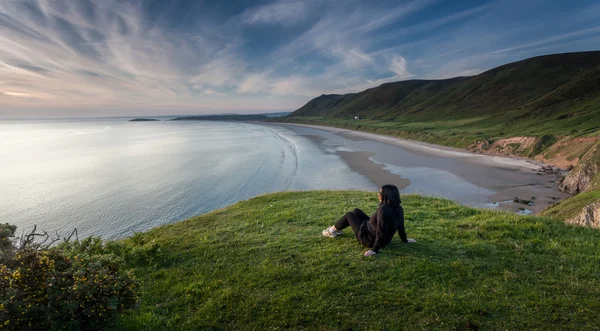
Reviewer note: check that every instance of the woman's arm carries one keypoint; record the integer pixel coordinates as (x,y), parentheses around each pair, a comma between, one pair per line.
(401,231)
(382,219)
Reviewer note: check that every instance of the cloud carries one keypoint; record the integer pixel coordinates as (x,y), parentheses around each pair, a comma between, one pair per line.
(341,42)
(112,56)
(100,54)
(280,12)
(212,92)
(398,67)
(586,33)
(254,83)
(94,53)
(272,84)
(16,94)
(291,86)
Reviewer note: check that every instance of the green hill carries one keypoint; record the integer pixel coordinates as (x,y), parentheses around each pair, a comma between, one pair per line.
(545,108)
(553,94)
(263,264)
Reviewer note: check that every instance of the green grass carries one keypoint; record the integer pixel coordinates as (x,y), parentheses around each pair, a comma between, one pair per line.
(573,206)
(451,133)
(429,132)
(263,264)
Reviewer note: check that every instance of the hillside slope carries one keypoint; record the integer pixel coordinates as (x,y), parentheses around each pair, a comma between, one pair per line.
(559,93)
(263,264)
(545,108)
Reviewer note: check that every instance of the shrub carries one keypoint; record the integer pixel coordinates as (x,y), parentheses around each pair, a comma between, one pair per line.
(135,251)
(7,234)
(75,285)
(542,144)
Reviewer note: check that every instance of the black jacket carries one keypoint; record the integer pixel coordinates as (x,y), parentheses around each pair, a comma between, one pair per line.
(381,227)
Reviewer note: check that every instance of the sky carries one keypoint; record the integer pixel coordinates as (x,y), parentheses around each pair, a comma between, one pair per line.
(83,58)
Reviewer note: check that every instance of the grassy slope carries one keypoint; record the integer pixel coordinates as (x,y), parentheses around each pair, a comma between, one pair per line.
(262,264)
(548,95)
(441,132)
(573,206)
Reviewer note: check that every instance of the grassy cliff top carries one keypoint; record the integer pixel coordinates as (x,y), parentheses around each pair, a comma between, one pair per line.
(555,94)
(263,264)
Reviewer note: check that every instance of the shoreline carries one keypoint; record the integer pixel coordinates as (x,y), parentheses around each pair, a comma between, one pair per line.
(420,146)
(375,172)
(512,178)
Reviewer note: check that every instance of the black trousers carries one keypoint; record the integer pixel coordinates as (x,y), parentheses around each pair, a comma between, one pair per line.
(353,219)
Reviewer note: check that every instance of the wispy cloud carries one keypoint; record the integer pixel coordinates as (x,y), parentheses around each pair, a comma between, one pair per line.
(84,53)
(339,41)
(593,32)
(286,12)
(16,94)
(84,57)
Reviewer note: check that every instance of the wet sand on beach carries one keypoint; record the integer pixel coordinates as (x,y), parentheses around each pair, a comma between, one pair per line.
(359,162)
(416,167)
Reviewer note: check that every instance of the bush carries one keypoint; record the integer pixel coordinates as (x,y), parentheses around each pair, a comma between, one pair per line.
(134,251)
(7,234)
(542,144)
(75,285)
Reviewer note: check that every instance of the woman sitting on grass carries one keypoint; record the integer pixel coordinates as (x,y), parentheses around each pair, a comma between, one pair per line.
(378,230)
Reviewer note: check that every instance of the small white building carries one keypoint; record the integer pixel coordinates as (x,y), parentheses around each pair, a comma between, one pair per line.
(357,117)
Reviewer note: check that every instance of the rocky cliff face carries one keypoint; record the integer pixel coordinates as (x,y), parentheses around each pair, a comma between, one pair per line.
(589,216)
(581,177)
(583,180)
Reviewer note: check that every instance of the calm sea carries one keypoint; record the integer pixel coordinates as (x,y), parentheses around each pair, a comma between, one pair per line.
(111,177)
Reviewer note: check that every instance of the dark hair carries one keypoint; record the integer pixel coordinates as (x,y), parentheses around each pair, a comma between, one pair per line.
(390,196)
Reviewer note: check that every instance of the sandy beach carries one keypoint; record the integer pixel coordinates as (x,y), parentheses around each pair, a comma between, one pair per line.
(417,167)
(424,147)
(359,162)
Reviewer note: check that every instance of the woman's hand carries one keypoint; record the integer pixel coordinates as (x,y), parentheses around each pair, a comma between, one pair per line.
(369,253)
(410,241)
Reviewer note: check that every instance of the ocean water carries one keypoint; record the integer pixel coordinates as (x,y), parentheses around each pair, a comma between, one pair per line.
(110,177)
